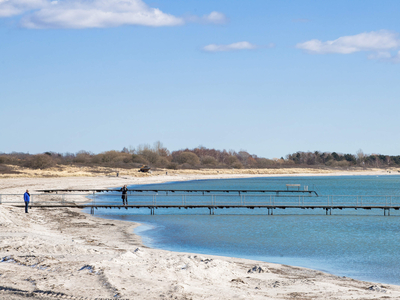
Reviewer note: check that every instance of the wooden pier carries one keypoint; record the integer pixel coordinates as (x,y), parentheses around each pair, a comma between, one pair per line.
(212,200)
(201,191)
(270,208)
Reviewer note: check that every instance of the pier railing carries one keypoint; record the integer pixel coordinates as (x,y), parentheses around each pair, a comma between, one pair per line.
(192,200)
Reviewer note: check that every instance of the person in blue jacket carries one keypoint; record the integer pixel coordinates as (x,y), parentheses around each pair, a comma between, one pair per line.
(27,197)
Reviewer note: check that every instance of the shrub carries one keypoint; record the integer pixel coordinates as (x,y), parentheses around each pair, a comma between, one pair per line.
(3,159)
(162,162)
(264,162)
(187,158)
(82,157)
(333,163)
(209,160)
(127,159)
(343,163)
(172,166)
(110,156)
(7,170)
(288,162)
(251,162)
(151,156)
(231,160)
(185,166)
(96,159)
(237,165)
(40,161)
(139,159)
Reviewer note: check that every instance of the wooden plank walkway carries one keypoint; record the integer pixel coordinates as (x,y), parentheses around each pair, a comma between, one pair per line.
(211,207)
(202,191)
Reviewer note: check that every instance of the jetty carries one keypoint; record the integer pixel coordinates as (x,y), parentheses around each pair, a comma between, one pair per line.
(202,191)
(212,200)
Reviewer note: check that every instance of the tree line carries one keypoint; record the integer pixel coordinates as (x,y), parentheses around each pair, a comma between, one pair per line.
(334,159)
(158,156)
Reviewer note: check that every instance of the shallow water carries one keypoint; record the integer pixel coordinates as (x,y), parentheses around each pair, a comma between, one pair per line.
(362,244)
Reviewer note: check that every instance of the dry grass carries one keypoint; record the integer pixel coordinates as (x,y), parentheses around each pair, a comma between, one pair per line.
(11,171)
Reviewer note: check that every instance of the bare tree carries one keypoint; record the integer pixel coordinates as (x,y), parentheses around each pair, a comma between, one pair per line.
(360,156)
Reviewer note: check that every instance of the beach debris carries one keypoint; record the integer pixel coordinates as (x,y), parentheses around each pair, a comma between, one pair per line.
(377,288)
(257,269)
(276,284)
(207,260)
(87,267)
(237,280)
(8,259)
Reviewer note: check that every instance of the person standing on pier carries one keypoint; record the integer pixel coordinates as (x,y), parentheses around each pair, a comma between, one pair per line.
(27,197)
(124,197)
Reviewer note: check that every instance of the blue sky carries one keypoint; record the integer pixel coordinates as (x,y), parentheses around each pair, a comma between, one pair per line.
(269,77)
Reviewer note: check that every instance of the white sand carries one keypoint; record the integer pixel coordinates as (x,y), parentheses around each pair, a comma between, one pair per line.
(43,252)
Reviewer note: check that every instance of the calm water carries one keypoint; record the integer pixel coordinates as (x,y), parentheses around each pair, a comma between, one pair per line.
(362,244)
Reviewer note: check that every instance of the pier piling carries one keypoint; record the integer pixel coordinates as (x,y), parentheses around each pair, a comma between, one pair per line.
(386,211)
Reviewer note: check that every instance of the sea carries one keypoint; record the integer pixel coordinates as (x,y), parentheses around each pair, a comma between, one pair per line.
(361,244)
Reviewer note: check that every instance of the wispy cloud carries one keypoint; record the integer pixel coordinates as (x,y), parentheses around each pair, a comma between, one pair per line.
(39,14)
(386,56)
(230,47)
(378,43)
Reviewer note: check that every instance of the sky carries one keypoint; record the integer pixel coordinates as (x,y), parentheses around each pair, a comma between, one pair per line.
(268,77)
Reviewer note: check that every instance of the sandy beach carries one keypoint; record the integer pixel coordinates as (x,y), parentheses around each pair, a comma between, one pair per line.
(188,174)
(67,254)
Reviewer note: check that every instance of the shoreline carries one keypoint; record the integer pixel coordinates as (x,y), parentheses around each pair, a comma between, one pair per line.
(117,262)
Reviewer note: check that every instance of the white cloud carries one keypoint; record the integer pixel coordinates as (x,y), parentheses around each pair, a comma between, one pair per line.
(94,14)
(376,41)
(9,8)
(230,47)
(212,18)
(98,14)
(215,18)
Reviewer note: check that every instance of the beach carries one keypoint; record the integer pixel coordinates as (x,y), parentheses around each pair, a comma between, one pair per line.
(67,254)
